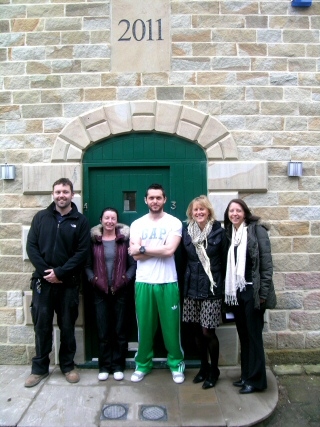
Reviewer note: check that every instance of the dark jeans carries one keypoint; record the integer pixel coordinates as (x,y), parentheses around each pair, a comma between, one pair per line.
(47,299)
(249,322)
(110,317)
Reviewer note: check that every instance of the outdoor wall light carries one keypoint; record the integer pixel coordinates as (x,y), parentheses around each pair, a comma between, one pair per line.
(295,169)
(301,3)
(7,171)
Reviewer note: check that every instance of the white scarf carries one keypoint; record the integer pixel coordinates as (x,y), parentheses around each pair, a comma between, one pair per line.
(199,238)
(235,271)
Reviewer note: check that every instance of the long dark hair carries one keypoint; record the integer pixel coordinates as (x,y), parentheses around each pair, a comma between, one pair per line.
(249,217)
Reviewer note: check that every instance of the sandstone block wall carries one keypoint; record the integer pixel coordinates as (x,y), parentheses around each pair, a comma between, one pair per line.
(252,65)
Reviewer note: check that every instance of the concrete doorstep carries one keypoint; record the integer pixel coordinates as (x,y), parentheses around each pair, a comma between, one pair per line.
(155,401)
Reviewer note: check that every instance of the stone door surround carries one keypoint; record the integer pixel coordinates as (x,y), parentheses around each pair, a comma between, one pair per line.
(225,172)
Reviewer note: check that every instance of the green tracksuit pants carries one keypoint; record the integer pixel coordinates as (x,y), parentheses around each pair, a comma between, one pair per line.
(151,301)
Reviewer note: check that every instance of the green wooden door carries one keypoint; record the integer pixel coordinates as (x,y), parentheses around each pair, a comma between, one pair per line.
(117,172)
(122,188)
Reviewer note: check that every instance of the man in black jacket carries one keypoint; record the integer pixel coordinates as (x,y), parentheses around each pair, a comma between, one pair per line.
(58,246)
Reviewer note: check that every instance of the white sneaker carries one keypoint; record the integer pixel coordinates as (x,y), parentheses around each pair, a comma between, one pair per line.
(118,376)
(178,377)
(103,376)
(137,376)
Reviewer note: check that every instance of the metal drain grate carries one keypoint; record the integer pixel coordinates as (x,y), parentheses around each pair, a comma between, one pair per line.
(114,412)
(153,413)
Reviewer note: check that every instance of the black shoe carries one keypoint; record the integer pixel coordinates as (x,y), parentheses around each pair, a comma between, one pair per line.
(246,389)
(201,376)
(239,383)
(209,383)
(211,380)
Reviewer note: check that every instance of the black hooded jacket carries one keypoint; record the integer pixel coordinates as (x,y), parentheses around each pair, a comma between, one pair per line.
(64,247)
(196,281)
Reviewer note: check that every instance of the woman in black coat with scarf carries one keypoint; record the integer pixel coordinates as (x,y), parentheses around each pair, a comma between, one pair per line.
(249,289)
(205,245)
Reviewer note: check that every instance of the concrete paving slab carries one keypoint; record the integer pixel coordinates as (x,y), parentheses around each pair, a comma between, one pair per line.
(55,402)
(64,406)
(15,399)
(243,410)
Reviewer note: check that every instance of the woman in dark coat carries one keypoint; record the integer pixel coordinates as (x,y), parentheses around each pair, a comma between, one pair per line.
(109,271)
(205,244)
(249,289)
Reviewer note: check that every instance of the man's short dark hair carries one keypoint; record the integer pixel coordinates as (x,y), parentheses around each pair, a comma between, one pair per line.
(156,187)
(63,181)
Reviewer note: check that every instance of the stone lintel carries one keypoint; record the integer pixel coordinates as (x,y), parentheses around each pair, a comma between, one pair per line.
(38,178)
(238,176)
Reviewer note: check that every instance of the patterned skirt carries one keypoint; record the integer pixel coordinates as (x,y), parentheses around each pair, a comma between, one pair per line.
(207,312)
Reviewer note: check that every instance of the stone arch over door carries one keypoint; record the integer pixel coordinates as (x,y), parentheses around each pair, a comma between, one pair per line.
(106,121)
(226,174)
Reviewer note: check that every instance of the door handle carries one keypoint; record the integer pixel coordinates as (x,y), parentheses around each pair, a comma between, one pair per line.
(85,207)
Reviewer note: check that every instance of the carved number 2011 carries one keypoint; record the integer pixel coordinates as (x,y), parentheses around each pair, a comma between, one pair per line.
(140,30)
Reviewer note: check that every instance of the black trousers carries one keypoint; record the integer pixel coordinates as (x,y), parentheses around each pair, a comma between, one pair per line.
(48,298)
(249,323)
(110,317)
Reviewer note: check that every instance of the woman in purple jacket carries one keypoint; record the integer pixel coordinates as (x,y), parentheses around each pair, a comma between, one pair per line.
(109,271)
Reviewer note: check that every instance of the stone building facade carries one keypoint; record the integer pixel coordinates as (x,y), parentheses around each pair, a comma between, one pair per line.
(240,79)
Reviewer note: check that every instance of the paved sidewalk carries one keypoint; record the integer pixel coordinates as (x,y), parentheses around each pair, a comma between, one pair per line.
(156,401)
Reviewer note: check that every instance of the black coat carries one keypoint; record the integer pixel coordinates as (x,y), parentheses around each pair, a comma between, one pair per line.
(64,247)
(259,249)
(196,281)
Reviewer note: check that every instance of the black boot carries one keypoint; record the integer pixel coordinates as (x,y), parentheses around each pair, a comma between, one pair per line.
(211,379)
(202,374)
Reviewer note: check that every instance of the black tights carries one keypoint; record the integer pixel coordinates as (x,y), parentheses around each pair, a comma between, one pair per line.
(207,341)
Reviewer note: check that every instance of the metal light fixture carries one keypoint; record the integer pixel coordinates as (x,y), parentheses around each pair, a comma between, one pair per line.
(7,171)
(295,169)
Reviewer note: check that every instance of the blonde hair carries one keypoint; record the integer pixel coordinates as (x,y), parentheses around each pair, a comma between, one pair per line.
(204,202)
